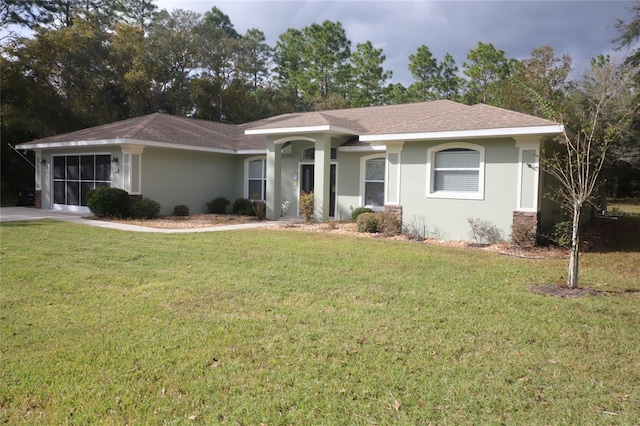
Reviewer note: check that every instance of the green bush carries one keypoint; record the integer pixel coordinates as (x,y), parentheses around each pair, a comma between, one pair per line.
(181,210)
(389,224)
(357,212)
(368,222)
(260,209)
(243,206)
(307,205)
(108,202)
(145,209)
(483,231)
(218,206)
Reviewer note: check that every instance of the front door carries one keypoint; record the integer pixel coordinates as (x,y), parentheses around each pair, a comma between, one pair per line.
(306,184)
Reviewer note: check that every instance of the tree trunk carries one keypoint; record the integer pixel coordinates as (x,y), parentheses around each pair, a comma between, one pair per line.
(572,277)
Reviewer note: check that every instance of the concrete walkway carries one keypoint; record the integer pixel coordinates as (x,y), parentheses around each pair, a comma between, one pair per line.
(17,214)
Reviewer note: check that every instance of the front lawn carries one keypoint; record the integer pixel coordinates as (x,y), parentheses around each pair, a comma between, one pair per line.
(281,327)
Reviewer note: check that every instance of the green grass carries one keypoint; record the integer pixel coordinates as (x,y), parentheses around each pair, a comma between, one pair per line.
(625,205)
(282,327)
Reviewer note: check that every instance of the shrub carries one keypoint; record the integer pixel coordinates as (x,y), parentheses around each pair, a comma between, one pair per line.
(218,206)
(522,235)
(357,212)
(243,206)
(145,209)
(389,224)
(368,222)
(307,205)
(561,234)
(181,210)
(259,208)
(108,202)
(484,231)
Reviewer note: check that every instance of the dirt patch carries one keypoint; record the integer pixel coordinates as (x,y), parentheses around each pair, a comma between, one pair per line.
(191,222)
(505,249)
(343,228)
(563,292)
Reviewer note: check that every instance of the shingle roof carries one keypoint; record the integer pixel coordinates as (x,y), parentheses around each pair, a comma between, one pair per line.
(164,128)
(415,118)
(360,120)
(475,117)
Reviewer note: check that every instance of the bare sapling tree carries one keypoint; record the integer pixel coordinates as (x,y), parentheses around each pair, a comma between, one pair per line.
(602,108)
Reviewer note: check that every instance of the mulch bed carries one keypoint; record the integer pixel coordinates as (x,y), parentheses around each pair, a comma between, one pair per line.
(564,292)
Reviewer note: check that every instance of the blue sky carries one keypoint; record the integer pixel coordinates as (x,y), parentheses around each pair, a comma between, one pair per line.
(582,29)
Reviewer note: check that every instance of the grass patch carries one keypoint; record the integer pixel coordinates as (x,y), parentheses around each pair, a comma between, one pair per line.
(624,205)
(281,327)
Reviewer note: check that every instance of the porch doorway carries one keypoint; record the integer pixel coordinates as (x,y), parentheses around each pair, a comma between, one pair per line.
(307,180)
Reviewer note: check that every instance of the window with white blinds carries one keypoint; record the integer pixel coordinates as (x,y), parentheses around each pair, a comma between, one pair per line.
(456,170)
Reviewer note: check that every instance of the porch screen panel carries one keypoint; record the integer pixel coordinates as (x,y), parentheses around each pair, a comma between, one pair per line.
(59,184)
(87,169)
(103,168)
(74,176)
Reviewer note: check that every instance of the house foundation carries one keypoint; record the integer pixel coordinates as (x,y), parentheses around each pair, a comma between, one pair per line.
(395,210)
(524,229)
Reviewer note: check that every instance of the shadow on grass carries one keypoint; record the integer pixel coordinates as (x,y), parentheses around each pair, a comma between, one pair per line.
(27,223)
(612,235)
(562,292)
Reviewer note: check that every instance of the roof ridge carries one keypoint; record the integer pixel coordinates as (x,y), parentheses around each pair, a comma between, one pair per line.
(404,123)
(508,111)
(145,123)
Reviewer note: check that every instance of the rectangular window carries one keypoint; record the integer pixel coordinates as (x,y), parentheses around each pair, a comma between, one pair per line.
(374,182)
(257,179)
(456,170)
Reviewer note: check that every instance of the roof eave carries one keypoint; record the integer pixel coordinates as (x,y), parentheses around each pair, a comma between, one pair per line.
(328,128)
(467,134)
(362,148)
(123,141)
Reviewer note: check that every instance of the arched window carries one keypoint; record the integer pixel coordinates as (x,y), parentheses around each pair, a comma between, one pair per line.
(456,171)
(373,180)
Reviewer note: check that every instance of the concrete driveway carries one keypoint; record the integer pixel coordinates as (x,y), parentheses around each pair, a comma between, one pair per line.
(16,214)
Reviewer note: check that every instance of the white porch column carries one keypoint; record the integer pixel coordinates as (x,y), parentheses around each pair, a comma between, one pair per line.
(321,178)
(131,169)
(274,179)
(528,174)
(39,168)
(392,178)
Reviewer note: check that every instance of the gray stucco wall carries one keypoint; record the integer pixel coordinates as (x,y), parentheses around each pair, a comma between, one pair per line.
(447,218)
(173,177)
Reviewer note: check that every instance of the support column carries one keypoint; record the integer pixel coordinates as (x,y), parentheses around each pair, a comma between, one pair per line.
(131,169)
(38,178)
(392,170)
(274,180)
(528,173)
(321,178)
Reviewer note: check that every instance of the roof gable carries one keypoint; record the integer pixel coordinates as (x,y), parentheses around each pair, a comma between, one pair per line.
(161,128)
(423,120)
